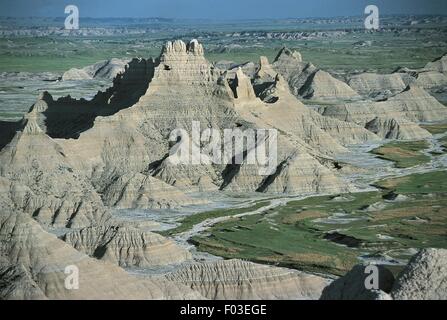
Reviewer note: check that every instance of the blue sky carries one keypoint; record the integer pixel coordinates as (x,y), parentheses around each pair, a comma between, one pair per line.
(215,9)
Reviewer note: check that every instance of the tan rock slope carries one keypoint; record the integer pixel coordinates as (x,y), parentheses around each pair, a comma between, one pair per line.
(241,280)
(401,111)
(126,246)
(75,157)
(123,147)
(306,81)
(372,84)
(424,278)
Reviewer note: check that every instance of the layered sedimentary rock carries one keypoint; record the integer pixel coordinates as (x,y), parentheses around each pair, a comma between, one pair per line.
(431,80)
(431,77)
(242,280)
(390,128)
(126,246)
(186,88)
(107,69)
(69,160)
(306,81)
(400,99)
(36,263)
(372,84)
(16,283)
(114,150)
(439,65)
(144,191)
(400,112)
(321,85)
(34,170)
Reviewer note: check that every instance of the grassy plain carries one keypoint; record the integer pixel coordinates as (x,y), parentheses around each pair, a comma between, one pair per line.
(328,234)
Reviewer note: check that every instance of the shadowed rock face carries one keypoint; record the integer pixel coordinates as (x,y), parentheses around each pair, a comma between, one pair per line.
(306,81)
(68,118)
(69,160)
(424,278)
(352,285)
(107,69)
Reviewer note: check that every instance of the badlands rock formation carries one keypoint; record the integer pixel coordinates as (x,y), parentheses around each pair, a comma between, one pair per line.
(403,110)
(107,69)
(391,106)
(72,159)
(67,162)
(390,128)
(373,85)
(126,246)
(413,104)
(352,285)
(241,280)
(119,140)
(306,81)
(431,77)
(33,265)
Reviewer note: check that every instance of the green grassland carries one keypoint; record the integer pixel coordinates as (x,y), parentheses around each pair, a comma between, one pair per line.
(295,236)
(188,222)
(385,52)
(404,154)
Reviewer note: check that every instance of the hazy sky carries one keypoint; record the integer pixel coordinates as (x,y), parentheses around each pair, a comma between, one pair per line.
(224,9)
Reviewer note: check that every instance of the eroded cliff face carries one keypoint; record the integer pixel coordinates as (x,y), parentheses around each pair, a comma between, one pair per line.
(242,280)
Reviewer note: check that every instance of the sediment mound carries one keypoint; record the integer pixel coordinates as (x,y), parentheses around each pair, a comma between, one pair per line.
(373,85)
(439,65)
(389,128)
(413,105)
(33,264)
(126,246)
